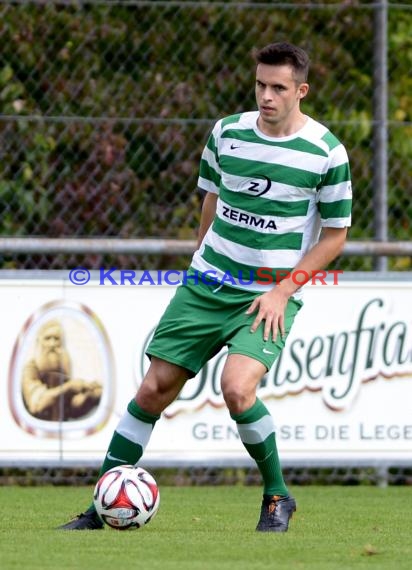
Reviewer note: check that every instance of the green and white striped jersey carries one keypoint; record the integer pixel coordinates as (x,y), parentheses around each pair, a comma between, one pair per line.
(275,194)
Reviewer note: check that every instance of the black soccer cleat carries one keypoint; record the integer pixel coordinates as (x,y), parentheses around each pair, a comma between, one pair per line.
(275,513)
(89,520)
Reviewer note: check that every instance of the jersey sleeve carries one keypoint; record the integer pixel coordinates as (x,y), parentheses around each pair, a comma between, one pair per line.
(209,171)
(335,194)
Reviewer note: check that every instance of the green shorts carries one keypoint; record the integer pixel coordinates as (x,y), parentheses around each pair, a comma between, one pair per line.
(203,318)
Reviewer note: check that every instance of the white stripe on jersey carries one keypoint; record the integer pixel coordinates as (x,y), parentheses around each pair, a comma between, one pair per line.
(275,155)
(335,192)
(333,222)
(210,158)
(208,185)
(250,256)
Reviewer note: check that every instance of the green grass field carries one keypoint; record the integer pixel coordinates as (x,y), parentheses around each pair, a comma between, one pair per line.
(202,528)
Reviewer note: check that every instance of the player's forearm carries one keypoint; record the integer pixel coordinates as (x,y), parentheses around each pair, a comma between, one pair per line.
(324,252)
(207,216)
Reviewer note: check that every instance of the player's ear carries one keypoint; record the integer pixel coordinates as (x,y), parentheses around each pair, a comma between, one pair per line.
(303,90)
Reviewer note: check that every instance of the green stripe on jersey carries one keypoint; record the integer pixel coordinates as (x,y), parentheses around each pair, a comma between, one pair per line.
(257,240)
(337,175)
(211,144)
(231,119)
(275,172)
(263,206)
(209,173)
(241,270)
(331,140)
(249,135)
(339,209)
(212,147)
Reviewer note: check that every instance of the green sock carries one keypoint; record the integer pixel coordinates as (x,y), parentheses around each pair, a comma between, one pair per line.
(129,439)
(257,432)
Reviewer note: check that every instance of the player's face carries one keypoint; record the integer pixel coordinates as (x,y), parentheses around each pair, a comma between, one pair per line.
(278,95)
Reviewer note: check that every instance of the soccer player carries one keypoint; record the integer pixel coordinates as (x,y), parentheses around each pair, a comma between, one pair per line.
(278,196)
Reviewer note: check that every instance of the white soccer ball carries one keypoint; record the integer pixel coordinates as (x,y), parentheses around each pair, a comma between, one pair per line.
(126,497)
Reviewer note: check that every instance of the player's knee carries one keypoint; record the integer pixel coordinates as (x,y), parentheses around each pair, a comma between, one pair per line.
(237,400)
(153,387)
(161,384)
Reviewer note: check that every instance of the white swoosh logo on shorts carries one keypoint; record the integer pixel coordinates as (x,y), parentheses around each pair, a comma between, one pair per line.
(113,458)
(266,351)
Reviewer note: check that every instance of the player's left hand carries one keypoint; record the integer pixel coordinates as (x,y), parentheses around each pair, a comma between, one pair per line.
(271,308)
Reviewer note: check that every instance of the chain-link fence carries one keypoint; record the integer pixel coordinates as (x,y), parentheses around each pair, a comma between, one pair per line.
(185,476)
(106,106)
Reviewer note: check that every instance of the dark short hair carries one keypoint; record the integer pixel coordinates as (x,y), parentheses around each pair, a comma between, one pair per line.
(283,53)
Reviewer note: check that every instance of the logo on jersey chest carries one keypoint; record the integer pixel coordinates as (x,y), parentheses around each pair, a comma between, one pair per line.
(248,219)
(257,186)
